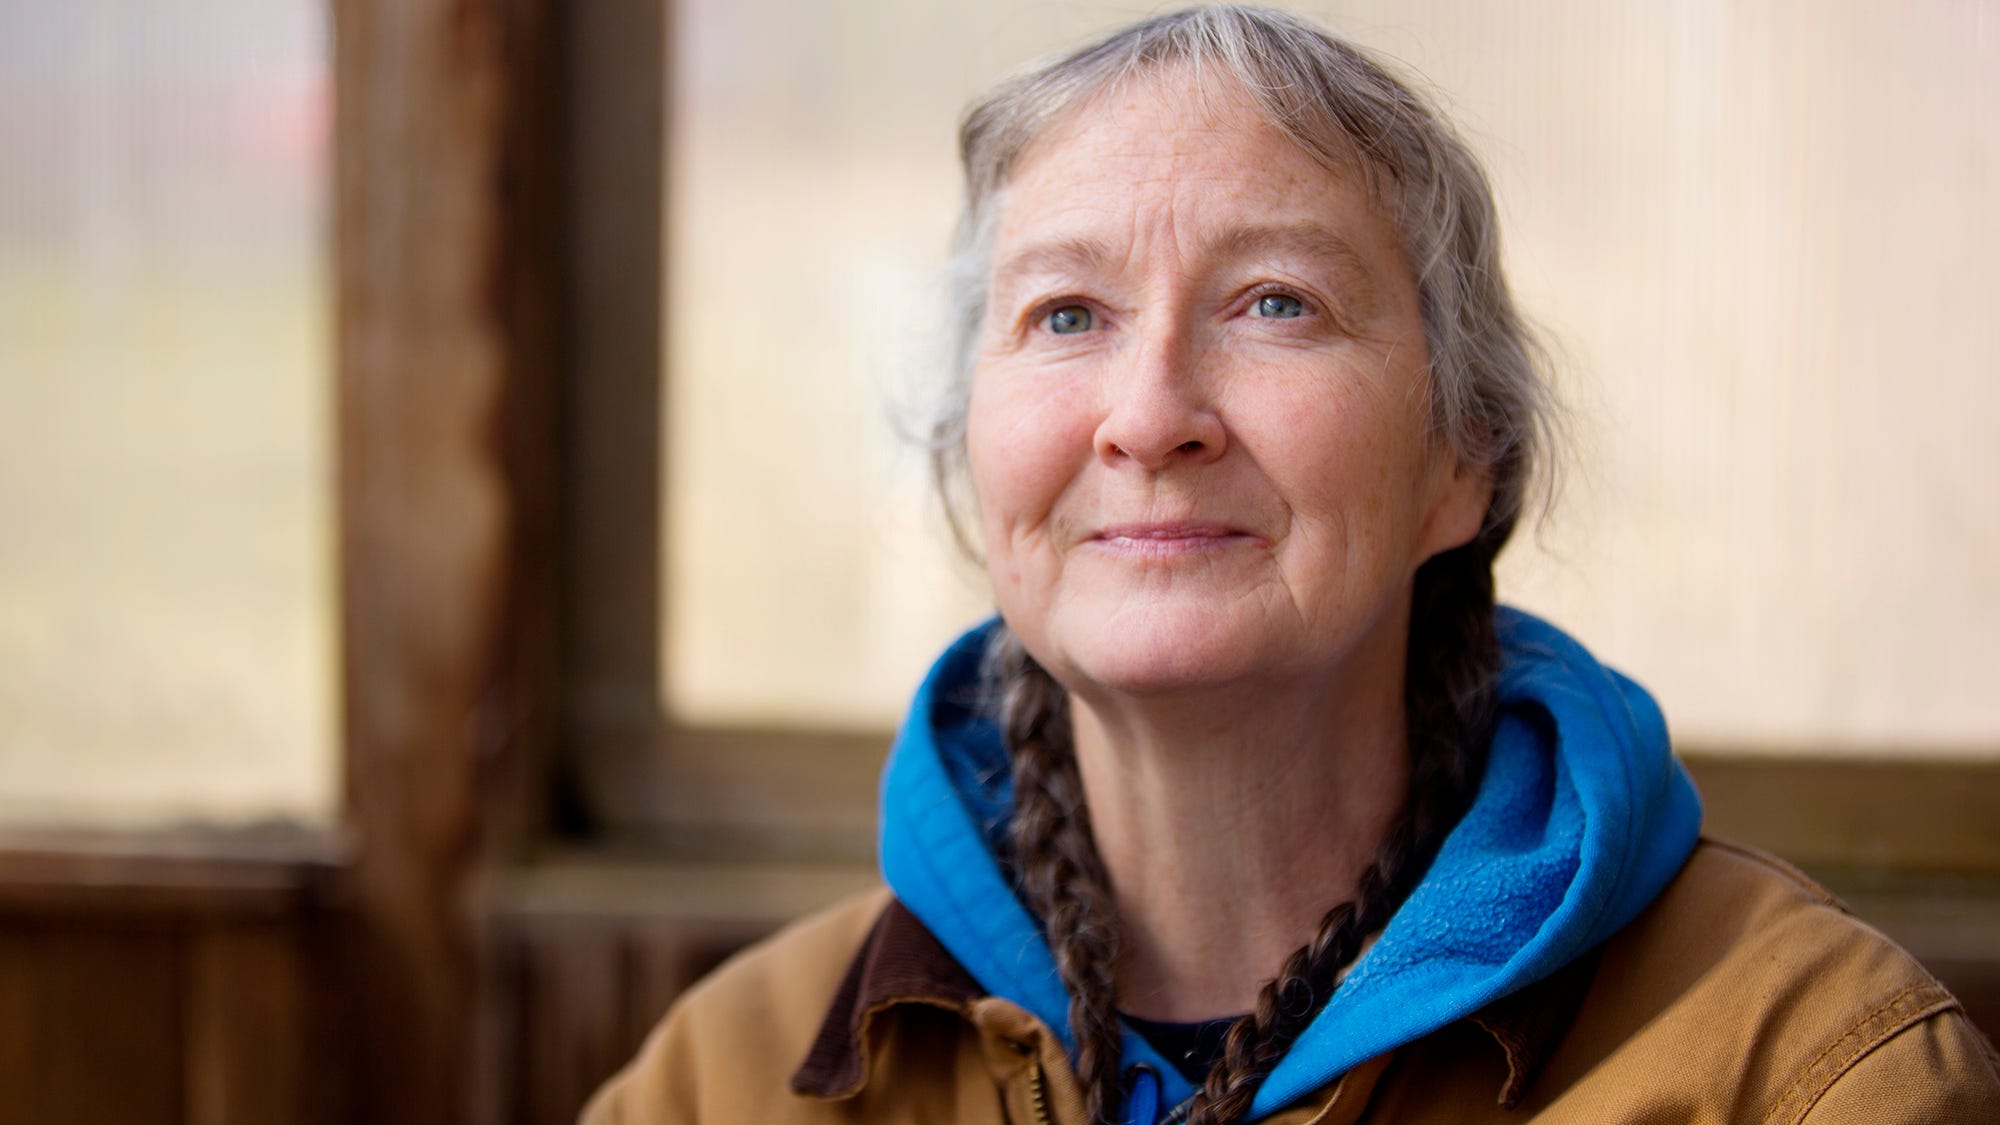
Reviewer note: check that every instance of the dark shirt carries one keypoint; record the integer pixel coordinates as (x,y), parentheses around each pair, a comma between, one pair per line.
(1192,1047)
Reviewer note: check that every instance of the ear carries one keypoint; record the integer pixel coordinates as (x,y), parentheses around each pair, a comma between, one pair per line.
(1459,497)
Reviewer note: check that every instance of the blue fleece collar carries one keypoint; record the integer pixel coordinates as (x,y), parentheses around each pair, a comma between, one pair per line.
(1581,818)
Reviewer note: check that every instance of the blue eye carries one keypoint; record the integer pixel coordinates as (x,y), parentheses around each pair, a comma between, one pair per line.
(1068,320)
(1280,306)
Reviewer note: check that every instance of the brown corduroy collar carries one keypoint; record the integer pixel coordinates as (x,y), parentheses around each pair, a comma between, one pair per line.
(902,963)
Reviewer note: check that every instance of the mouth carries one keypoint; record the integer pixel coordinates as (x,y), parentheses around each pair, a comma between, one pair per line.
(1169,539)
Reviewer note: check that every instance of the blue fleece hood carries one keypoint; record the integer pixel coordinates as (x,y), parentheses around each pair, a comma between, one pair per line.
(1582,816)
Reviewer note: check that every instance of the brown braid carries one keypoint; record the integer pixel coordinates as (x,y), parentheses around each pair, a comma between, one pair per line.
(1057,868)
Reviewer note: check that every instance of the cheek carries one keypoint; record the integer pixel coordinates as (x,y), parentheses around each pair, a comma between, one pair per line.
(1023,447)
(1353,465)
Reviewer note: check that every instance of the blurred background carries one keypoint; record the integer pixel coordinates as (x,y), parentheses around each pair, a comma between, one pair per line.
(459,569)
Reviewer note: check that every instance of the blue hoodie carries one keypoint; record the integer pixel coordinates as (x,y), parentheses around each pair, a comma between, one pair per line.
(1582,816)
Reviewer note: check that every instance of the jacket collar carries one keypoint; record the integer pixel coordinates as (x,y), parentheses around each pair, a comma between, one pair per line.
(902,963)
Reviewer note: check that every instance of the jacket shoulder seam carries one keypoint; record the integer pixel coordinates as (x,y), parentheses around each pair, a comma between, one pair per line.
(1800,881)
(1888,1019)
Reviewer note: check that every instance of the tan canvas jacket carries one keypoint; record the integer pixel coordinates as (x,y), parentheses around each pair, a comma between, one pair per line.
(1744,994)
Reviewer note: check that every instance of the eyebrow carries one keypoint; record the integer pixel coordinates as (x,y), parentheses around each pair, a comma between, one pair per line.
(1062,255)
(1300,239)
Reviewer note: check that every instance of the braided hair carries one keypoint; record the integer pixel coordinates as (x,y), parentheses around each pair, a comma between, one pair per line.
(1057,869)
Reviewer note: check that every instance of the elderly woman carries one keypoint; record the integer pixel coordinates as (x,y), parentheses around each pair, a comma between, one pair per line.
(1251,805)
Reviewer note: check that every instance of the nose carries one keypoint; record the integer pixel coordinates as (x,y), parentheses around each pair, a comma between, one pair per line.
(1158,411)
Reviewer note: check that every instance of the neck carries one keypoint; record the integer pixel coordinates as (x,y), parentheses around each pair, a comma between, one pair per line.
(1230,823)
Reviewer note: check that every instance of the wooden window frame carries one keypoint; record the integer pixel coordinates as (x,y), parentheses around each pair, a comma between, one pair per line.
(627,770)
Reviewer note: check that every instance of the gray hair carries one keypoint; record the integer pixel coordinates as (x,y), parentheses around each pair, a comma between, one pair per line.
(1489,394)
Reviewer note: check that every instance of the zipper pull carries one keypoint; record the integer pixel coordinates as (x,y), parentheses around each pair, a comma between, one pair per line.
(1142,1095)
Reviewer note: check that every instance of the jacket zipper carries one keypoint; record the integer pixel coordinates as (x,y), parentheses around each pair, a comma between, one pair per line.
(1038,1095)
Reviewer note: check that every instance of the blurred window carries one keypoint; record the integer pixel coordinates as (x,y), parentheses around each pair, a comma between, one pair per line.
(1759,236)
(166,489)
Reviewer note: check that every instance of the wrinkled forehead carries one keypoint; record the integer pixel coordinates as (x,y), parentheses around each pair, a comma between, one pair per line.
(1173,156)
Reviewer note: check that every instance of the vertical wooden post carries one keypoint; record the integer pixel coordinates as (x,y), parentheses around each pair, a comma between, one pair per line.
(444,234)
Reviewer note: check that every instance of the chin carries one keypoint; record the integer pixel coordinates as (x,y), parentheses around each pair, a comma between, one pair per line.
(1157,650)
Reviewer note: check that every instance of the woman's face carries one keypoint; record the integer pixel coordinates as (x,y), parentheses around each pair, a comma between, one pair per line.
(1198,420)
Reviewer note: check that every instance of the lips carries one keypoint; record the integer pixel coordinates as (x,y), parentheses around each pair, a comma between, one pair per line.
(1166,531)
(1176,537)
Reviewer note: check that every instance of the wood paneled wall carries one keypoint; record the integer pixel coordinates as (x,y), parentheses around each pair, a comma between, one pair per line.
(578,995)
(163,991)
(590,951)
